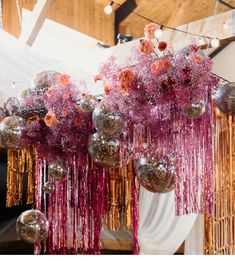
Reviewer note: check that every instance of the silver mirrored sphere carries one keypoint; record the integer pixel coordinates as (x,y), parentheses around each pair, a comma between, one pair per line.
(88,103)
(57,170)
(195,110)
(32,226)
(155,175)
(107,123)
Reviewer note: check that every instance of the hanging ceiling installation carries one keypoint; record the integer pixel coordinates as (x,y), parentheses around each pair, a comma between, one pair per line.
(88,16)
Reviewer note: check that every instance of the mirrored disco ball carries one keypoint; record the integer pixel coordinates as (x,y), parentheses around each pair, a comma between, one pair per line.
(195,110)
(23,95)
(12,106)
(88,103)
(225,98)
(32,226)
(103,151)
(57,169)
(109,124)
(155,176)
(49,187)
(42,80)
(10,131)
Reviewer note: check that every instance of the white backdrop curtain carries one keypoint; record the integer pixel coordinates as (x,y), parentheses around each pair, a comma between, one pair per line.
(194,243)
(160,231)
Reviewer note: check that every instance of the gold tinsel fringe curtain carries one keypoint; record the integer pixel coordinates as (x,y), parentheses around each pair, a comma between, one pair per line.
(220,227)
(120,198)
(20,162)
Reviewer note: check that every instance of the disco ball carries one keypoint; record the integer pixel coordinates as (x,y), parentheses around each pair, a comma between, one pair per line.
(195,110)
(57,170)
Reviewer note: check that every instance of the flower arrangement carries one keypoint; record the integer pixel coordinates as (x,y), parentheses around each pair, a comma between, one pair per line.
(64,129)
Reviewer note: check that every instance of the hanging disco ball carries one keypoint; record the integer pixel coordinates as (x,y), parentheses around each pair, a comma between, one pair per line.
(88,103)
(32,226)
(12,106)
(41,82)
(103,151)
(155,175)
(49,187)
(107,123)
(57,170)
(195,110)
(23,95)
(10,131)
(225,98)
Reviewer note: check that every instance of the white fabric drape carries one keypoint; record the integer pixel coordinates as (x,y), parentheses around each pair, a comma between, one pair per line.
(160,231)
(194,243)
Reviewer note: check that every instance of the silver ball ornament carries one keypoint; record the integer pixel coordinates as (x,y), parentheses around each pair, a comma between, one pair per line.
(103,151)
(155,175)
(57,170)
(88,103)
(107,123)
(195,110)
(32,226)
(10,131)
(225,98)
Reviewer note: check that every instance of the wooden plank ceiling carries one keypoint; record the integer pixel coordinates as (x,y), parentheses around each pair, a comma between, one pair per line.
(89,18)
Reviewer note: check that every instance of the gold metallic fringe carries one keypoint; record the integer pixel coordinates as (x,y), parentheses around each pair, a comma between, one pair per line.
(120,198)
(220,227)
(20,162)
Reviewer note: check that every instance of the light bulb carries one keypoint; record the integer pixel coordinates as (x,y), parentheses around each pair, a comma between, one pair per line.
(108,9)
(225,25)
(13,85)
(215,43)
(158,33)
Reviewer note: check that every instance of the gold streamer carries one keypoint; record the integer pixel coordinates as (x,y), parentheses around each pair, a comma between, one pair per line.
(120,198)
(220,227)
(19,161)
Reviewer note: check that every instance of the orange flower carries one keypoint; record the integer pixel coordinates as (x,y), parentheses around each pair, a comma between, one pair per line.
(162,46)
(124,89)
(150,29)
(197,58)
(126,77)
(50,119)
(63,79)
(160,66)
(97,78)
(106,89)
(77,122)
(146,47)
(50,92)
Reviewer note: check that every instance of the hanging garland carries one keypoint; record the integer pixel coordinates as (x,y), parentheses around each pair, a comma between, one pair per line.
(154,125)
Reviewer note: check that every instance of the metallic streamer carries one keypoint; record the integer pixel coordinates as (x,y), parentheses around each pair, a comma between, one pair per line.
(220,226)
(20,162)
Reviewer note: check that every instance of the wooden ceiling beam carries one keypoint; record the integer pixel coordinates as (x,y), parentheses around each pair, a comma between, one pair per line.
(178,18)
(39,15)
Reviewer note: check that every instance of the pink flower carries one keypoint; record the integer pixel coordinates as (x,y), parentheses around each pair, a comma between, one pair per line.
(150,29)
(50,92)
(196,58)
(66,96)
(146,47)
(160,66)
(162,46)
(126,77)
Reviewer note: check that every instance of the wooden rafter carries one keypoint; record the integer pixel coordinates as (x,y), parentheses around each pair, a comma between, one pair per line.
(39,15)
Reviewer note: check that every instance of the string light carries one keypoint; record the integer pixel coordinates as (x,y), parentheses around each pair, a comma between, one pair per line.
(13,85)
(158,33)
(215,43)
(108,8)
(225,25)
